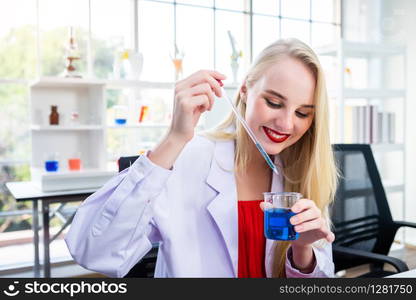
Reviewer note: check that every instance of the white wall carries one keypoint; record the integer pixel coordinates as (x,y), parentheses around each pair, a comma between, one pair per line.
(409,16)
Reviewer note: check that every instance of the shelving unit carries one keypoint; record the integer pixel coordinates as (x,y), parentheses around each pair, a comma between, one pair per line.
(375,87)
(84,138)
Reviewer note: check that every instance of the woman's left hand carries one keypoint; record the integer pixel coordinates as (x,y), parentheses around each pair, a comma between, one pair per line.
(310,224)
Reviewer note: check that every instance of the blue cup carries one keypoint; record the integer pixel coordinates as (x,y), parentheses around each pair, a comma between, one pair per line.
(51,165)
(277,216)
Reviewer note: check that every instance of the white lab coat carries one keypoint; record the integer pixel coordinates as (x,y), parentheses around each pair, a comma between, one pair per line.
(191,210)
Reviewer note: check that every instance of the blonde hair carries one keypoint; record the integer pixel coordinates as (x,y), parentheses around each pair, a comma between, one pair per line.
(308,163)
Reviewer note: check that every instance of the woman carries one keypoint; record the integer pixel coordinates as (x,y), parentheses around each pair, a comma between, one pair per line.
(199,196)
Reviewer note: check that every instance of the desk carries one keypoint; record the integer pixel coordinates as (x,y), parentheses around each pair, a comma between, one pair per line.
(29,191)
(407,274)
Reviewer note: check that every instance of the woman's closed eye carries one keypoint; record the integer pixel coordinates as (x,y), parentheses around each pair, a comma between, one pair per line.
(301,115)
(273,104)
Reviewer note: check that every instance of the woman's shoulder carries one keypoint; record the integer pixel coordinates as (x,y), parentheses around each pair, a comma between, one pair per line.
(200,146)
(205,144)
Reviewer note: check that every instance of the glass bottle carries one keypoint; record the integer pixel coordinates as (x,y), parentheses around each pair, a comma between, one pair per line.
(54,115)
(72,55)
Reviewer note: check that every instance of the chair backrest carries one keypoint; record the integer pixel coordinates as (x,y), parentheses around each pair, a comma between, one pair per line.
(146,266)
(126,161)
(360,214)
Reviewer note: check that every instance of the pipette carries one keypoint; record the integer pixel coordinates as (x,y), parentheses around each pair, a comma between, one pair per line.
(249,132)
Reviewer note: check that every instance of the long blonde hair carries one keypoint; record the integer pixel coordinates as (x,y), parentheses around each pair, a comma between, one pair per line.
(308,165)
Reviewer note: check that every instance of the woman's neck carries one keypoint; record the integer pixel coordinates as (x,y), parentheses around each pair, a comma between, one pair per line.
(257,161)
(255,180)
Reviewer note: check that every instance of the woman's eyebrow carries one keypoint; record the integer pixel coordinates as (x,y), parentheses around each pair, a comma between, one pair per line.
(276,94)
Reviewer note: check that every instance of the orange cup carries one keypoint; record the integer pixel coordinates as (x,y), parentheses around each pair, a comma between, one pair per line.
(74,164)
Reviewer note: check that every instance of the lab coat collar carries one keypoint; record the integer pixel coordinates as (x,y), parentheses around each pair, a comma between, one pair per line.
(223,208)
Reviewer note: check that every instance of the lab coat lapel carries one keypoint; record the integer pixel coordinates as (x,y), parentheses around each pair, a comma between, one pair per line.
(277,186)
(223,208)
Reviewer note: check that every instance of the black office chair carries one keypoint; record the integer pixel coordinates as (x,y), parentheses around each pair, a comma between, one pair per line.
(145,268)
(363,224)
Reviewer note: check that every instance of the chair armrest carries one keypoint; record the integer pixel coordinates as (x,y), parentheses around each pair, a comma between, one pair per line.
(371,257)
(405,224)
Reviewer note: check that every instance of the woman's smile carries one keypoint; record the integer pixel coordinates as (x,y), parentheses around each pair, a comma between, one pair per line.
(275,136)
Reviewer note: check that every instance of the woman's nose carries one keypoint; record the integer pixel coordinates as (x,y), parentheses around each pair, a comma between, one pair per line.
(285,123)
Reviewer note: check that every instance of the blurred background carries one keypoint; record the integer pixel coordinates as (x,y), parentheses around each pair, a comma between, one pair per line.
(130,53)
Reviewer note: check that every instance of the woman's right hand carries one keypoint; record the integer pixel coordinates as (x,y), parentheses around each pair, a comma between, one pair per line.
(193,96)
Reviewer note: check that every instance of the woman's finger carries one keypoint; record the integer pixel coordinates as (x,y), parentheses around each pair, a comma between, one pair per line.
(203,89)
(199,77)
(316,224)
(330,237)
(305,216)
(198,90)
(302,205)
(265,205)
(200,101)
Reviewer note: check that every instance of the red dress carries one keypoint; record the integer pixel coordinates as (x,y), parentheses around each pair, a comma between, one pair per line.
(251,240)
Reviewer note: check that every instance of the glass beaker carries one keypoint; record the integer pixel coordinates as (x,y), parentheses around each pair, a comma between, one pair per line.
(277,214)
(52,162)
(120,114)
(74,162)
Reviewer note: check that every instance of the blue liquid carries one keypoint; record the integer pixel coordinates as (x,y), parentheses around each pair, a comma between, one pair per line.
(51,165)
(277,225)
(120,121)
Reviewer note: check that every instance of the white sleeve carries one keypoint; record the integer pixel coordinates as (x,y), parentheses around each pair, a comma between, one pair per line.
(324,266)
(113,228)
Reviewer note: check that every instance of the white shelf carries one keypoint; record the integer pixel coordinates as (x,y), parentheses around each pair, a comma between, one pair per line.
(356,49)
(62,82)
(387,147)
(125,83)
(148,125)
(65,173)
(374,93)
(68,180)
(144,125)
(64,128)
(13,81)
(394,188)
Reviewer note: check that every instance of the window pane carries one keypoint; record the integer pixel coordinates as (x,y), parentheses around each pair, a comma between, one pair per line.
(237,23)
(262,24)
(14,132)
(357,25)
(112,30)
(269,7)
(323,10)
(299,9)
(18,39)
(296,29)
(209,3)
(156,40)
(323,34)
(194,34)
(18,172)
(55,18)
(239,5)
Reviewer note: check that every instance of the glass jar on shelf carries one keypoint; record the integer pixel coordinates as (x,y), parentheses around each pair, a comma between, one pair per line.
(120,114)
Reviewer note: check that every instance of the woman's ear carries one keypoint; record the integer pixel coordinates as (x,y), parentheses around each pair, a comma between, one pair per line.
(243,92)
